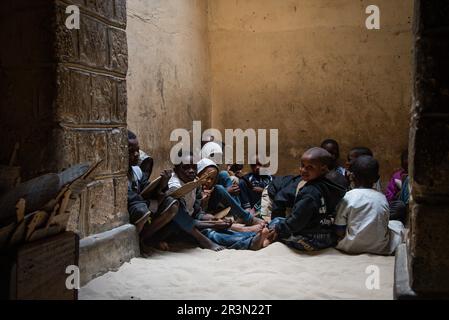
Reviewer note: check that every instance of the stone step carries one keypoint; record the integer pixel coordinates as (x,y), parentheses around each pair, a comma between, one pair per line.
(107,251)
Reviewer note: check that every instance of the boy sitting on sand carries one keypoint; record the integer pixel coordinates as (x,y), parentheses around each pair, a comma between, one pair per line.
(215,197)
(248,236)
(331,146)
(309,226)
(230,179)
(147,222)
(354,154)
(193,222)
(336,172)
(278,198)
(252,186)
(397,191)
(362,220)
(185,221)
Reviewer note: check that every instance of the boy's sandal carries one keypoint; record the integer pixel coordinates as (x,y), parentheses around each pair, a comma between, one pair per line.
(140,223)
(166,204)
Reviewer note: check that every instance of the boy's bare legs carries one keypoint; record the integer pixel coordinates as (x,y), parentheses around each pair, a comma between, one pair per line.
(204,242)
(238,227)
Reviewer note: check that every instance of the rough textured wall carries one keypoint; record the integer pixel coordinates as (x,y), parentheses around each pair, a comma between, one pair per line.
(428,241)
(91,107)
(168,77)
(311,69)
(63,98)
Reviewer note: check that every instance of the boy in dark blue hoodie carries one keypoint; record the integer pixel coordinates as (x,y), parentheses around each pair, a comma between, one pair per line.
(251,188)
(309,226)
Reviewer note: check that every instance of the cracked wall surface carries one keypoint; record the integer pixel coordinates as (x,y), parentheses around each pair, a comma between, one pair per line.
(168,76)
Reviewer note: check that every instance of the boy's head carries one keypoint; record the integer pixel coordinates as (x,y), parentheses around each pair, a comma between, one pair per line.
(212,150)
(133,149)
(355,153)
(364,171)
(209,168)
(256,165)
(235,168)
(404,160)
(315,163)
(331,146)
(187,169)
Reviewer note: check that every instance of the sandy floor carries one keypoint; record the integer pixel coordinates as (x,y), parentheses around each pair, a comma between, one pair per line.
(275,272)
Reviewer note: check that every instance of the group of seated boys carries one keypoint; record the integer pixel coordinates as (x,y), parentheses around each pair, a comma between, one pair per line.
(326,205)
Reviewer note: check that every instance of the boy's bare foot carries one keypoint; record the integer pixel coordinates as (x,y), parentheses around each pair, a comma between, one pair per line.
(270,238)
(148,248)
(266,243)
(204,242)
(210,245)
(259,239)
(217,248)
(163,246)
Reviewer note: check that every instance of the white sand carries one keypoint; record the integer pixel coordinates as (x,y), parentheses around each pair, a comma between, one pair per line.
(275,272)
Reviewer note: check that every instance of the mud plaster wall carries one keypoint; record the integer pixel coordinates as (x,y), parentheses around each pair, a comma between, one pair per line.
(311,69)
(168,76)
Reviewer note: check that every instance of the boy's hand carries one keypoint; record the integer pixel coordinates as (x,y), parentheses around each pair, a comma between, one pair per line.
(234,189)
(165,177)
(259,221)
(206,194)
(252,211)
(208,217)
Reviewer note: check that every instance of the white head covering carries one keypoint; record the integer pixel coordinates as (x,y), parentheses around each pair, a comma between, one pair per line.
(142,156)
(205,163)
(212,150)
